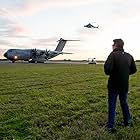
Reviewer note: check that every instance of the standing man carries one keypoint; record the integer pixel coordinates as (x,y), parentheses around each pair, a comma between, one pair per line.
(119,65)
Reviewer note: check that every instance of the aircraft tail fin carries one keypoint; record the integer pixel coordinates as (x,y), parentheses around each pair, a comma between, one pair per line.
(61,44)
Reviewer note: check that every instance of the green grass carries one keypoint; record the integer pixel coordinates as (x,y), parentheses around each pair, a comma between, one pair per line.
(61,102)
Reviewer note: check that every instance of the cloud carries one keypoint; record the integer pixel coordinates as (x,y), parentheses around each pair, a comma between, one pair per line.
(126,9)
(5,43)
(30,7)
(10,28)
(44,42)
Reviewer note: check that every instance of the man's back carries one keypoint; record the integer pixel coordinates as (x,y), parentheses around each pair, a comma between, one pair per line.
(119,65)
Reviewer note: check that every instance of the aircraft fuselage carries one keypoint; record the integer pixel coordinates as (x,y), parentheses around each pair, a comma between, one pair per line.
(18,54)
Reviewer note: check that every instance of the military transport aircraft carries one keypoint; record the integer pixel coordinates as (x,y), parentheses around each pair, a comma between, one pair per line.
(91,26)
(36,55)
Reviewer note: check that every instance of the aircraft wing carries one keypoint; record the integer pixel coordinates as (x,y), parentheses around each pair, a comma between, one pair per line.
(60,52)
(66,53)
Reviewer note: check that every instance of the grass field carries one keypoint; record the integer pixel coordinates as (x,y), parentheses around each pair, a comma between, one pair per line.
(61,102)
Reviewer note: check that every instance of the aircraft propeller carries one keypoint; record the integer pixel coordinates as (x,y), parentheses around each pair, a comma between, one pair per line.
(47,52)
(34,53)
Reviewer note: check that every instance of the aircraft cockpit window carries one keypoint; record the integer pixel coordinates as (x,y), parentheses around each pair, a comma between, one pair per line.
(10,50)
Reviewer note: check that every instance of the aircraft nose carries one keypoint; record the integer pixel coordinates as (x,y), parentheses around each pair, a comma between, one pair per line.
(5,55)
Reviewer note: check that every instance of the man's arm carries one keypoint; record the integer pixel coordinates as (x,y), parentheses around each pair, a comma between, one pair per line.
(109,64)
(133,68)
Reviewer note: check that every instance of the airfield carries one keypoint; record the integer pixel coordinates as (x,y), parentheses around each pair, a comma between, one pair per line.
(61,100)
(53,62)
(47,62)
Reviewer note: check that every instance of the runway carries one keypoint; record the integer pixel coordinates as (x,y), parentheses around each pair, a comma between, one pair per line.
(47,62)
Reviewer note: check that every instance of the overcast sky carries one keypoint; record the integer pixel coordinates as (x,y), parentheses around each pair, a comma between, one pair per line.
(40,23)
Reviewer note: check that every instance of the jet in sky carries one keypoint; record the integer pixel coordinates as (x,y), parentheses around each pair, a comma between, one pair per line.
(91,26)
(36,55)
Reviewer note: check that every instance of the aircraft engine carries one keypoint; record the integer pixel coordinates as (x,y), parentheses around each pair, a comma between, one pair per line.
(47,53)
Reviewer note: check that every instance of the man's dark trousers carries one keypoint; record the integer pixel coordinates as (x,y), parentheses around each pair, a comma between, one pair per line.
(112,98)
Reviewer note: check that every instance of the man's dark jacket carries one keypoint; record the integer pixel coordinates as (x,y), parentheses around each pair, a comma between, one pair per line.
(119,65)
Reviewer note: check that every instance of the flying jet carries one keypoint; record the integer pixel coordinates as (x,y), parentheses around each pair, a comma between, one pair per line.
(91,26)
(36,55)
